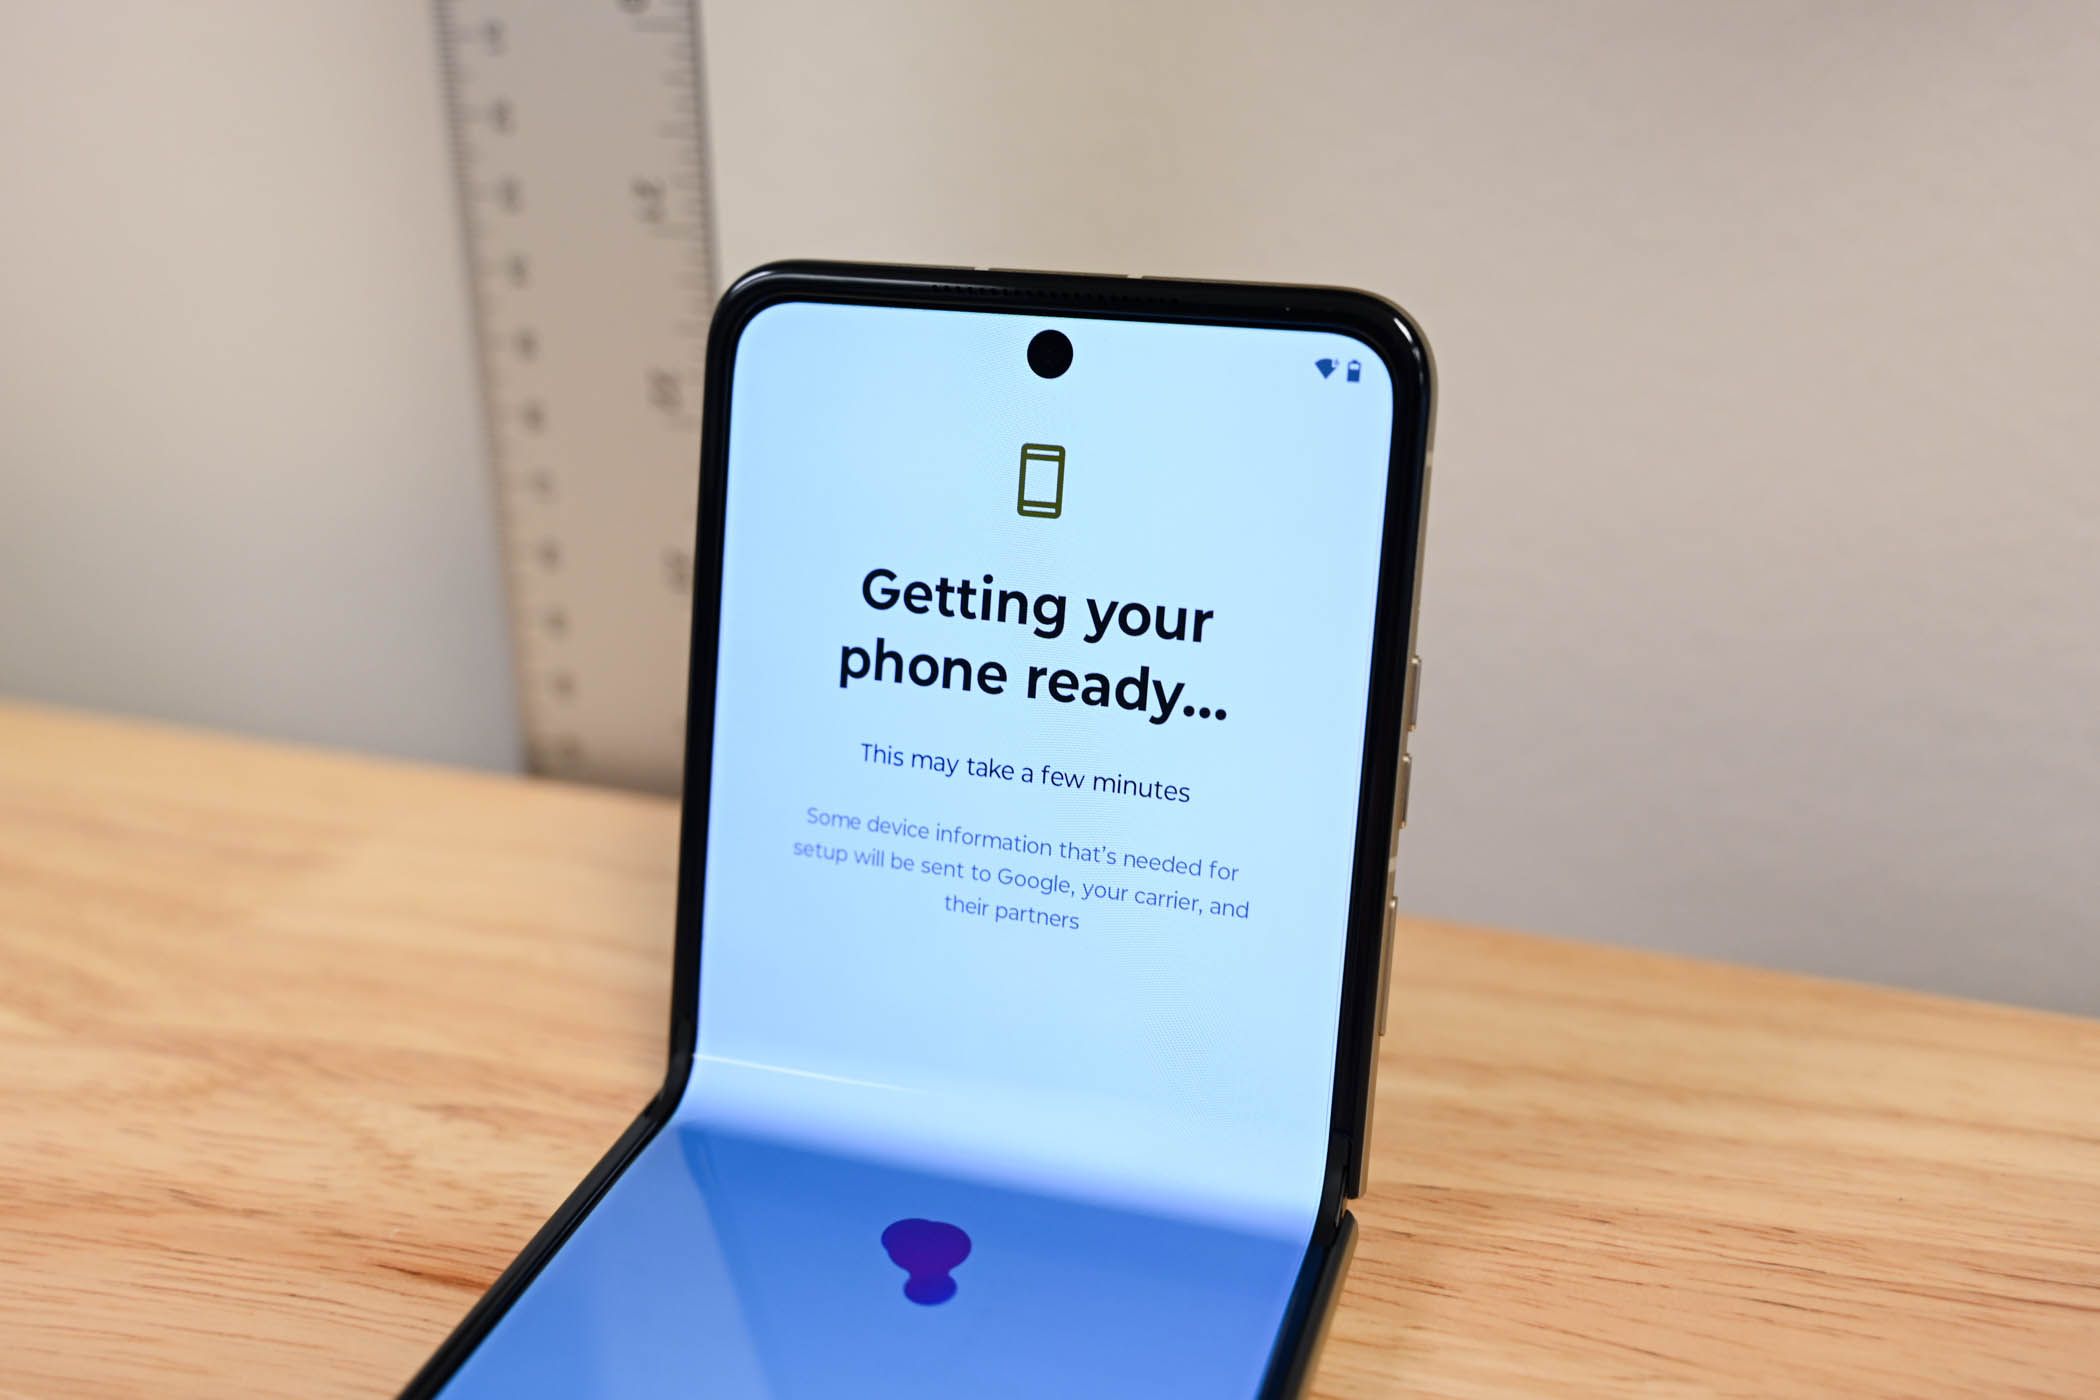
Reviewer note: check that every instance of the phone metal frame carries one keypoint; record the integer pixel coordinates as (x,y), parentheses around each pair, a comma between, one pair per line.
(1399,342)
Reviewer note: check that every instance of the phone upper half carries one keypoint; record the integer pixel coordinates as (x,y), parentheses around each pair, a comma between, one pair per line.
(1037,751)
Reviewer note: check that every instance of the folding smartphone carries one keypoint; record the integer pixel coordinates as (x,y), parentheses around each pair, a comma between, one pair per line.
(1035,885)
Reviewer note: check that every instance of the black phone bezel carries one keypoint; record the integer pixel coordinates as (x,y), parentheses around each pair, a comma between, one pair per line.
(1390,333)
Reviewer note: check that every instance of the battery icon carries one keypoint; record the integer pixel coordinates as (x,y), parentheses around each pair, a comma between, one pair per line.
(1042,480)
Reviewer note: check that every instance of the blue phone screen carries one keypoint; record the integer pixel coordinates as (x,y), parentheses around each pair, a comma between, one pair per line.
(1037,741)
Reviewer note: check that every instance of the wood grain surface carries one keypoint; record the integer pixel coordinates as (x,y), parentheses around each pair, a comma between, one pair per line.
(298,1050)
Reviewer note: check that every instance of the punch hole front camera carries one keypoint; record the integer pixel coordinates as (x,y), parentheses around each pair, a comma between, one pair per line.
(1050,353)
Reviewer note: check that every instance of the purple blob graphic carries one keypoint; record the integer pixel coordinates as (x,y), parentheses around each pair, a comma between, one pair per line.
(926,1250)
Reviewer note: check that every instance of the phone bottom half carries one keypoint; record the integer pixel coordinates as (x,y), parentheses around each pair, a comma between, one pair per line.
(732,1266)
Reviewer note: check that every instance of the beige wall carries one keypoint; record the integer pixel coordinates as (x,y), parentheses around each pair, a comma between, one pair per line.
(240,474)
(1763,611)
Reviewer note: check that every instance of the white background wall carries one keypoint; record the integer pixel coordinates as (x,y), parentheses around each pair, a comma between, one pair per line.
(1763,613)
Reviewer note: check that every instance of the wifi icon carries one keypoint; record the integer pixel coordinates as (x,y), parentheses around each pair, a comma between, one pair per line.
(1325,367)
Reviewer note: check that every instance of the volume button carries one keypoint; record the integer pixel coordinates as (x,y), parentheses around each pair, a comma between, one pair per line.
(1406,781)
(1413,704)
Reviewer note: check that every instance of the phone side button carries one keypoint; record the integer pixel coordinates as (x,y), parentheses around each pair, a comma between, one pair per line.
(1405,781)
(1413,706)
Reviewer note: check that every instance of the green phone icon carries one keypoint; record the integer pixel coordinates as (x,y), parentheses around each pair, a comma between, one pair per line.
(1042,480)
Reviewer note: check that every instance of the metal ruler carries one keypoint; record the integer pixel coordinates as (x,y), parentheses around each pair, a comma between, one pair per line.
(579,148)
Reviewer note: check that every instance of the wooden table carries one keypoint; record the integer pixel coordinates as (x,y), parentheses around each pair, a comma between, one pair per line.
(299,1048)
